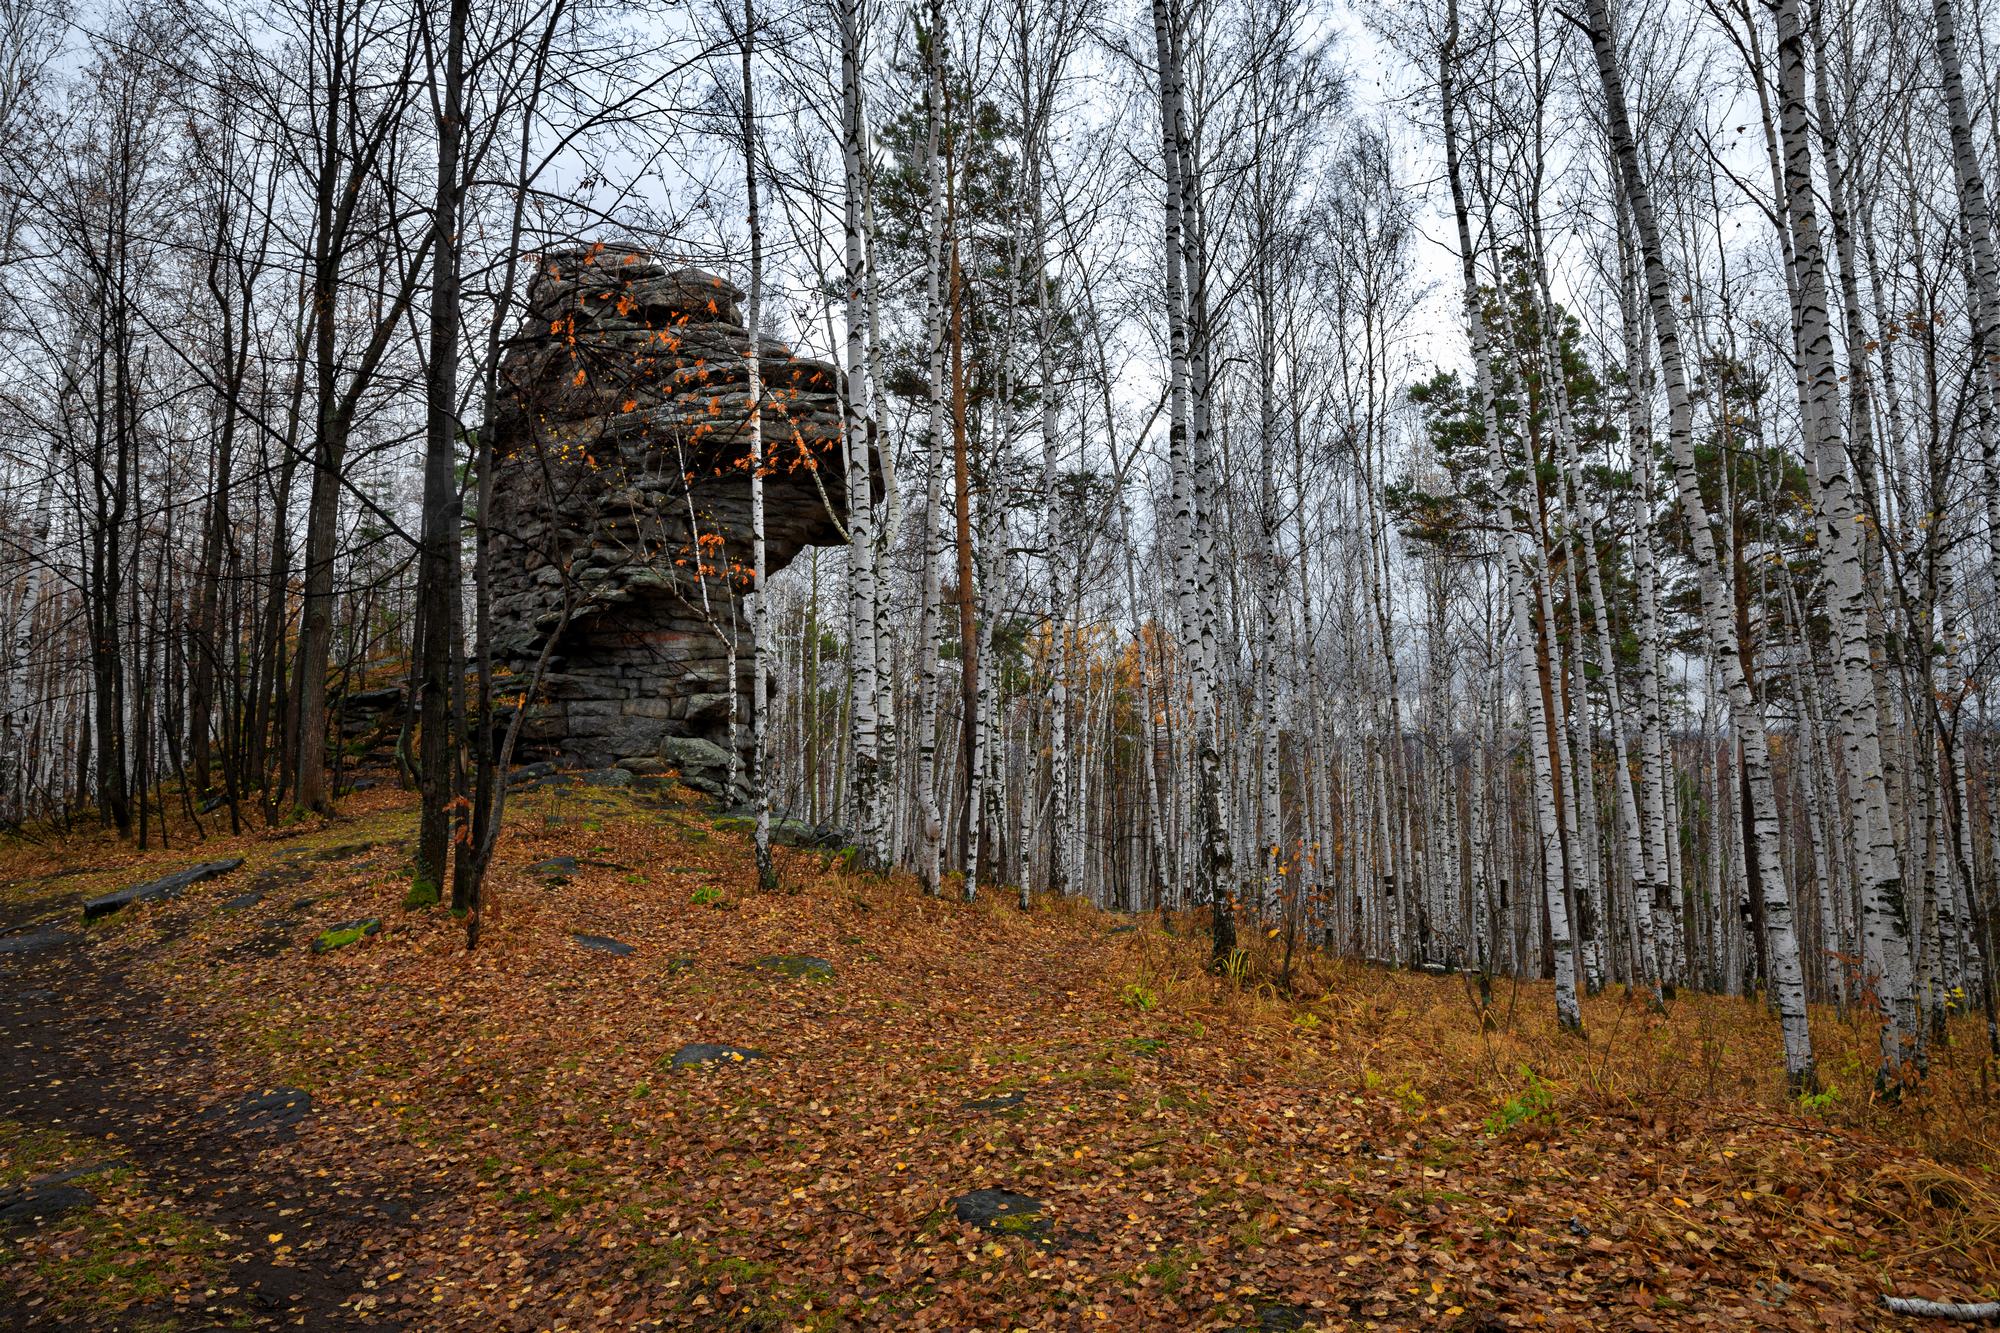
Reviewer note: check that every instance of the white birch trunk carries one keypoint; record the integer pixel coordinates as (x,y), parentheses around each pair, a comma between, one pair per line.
(866,775)
(1885,929)
(1787,982)
(756,604)
(1568,1012)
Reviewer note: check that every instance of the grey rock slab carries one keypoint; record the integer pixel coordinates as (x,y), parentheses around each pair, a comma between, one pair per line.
(276,1111)
(556,870)
(155,890)
(69,1173)
(46,936)
(606,777)
(695,757)
(787,832)
(343,852)
(797,966)
(33,1205)
(1003,1103)
(1279,1318)
(701,1053)
(603,944)
(1003,1212)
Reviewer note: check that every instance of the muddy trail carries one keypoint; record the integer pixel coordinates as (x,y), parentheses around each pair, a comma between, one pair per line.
(146,1189)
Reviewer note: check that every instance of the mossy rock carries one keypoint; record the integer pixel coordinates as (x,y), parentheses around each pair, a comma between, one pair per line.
(346,933)
(1005,1213)
(555,871)
(797,966)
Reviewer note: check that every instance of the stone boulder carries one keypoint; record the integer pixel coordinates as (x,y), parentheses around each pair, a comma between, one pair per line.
(621,505)
(157,890)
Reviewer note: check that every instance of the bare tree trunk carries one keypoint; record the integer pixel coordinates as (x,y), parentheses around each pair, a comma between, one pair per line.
(1788,986)
(1885,930)
(1568,1012)
(867,778)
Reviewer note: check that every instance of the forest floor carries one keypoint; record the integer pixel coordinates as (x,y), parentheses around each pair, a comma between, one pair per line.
(500,1140)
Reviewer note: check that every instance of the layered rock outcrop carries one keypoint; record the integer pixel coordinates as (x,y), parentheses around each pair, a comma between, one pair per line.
(621,506)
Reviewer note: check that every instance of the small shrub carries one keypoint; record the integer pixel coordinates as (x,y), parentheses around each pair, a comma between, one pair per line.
(1142,997)
(1535,1104)
(706,896)
(1818,1103)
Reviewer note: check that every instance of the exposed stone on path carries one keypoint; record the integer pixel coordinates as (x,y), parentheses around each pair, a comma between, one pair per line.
(1003,1212)
(155,890)
(602,944)
(1006,1102)
(343,851)
(33,1204)
(48,1195)
(45,936)
(276,1112)
(701,1053)
(797,966)
(346,933)
(1277,1317)
(285,872)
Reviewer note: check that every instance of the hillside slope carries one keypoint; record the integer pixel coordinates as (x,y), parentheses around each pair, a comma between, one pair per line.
(502,1141)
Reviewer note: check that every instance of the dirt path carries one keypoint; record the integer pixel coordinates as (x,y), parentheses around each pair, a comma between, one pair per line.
(86,1059)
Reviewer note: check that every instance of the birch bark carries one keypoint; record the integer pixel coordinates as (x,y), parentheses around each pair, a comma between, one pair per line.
(1788,986)
(1885,929)
(1568,1012)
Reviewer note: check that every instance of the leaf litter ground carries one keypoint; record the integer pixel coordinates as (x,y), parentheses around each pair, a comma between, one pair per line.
(502,1140)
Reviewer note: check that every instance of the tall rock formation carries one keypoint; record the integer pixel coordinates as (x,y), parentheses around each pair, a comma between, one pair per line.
(621,507)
